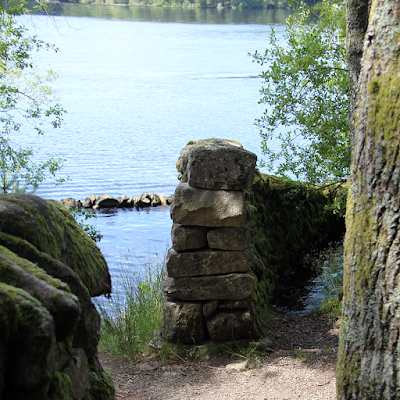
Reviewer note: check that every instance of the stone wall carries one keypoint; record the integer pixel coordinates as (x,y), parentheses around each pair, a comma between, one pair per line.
(288,220)
(235,238)
(50,329)
(209,282)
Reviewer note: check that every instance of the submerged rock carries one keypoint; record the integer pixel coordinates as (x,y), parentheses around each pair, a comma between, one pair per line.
(123,201)
(144,201)
(87,203)
(133,201)
(106,201)
(70,203)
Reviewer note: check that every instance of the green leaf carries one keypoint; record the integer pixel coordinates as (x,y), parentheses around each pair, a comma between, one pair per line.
(306,93)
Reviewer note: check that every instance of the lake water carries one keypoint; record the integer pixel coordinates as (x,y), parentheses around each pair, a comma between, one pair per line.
(138,84)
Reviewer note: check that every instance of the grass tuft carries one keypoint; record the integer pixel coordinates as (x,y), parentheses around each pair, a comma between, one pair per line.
(130,316)
(329,282)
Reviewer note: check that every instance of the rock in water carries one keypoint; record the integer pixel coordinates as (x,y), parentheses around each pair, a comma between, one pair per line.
(106,201)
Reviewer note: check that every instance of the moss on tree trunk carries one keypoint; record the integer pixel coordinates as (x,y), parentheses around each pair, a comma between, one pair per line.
(369,349)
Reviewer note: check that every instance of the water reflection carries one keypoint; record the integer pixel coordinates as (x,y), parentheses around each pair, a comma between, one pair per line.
(302,295)
(169,14)
(133,237)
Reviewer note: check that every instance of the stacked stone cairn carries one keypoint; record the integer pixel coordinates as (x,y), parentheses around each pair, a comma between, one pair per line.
(209,281)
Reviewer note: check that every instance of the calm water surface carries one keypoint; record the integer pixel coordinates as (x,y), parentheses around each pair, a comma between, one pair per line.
(138,84)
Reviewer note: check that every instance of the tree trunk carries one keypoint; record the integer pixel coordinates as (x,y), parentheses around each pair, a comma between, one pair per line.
(369,350)
(357,12)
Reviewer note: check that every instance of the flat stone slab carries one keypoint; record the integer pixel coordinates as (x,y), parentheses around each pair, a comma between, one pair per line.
(216,287)
(211,208)
(188,237)
(229,238)
(229,304)
(208,262)
(217,164)
(223,326)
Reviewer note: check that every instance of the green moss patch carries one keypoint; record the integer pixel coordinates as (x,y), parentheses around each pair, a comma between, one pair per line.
(10,276)
(288,220)
(26,335)
(102,384)
(61,388)
(50,227)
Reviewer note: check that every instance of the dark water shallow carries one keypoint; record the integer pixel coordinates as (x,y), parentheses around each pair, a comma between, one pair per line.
(320,279)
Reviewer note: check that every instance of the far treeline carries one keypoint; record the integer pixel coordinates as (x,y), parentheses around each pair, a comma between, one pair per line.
(241,4)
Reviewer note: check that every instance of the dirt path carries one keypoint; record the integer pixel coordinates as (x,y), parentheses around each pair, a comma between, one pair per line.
(301,365)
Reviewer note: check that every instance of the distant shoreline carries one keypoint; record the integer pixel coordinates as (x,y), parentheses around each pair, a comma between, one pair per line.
(173,4)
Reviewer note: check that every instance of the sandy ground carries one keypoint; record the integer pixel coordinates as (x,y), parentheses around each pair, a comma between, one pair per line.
(299,365)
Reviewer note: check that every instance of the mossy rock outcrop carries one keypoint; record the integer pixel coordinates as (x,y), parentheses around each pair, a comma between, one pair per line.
(50,227)
(49,269)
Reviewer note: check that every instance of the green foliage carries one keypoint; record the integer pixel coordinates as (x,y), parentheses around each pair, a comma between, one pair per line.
(27,103)
(130,317)
(10,181)
(307,94)
(81,215)
(300,355)
(331,308)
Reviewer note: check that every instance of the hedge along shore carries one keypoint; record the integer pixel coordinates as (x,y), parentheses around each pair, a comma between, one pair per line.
(107,201)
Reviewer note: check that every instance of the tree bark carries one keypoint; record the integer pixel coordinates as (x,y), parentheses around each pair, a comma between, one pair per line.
(357,12)
(369,350)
